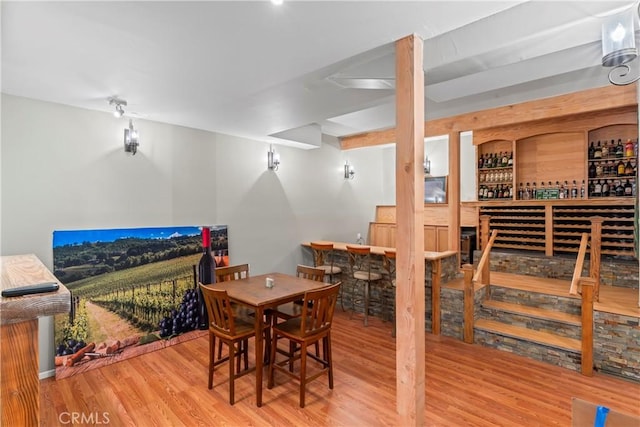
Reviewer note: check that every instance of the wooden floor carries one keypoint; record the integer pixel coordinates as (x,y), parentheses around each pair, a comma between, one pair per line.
(466,385)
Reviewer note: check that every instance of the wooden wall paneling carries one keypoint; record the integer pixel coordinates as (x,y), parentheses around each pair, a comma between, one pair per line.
(386,214)
(410,308)
(430,238)
(622,131)
(443,239)
(468,215)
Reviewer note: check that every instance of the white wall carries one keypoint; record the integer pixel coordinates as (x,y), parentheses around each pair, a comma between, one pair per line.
(64,168)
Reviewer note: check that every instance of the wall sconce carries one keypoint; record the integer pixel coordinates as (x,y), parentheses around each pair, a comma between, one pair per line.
(273,159)
(131,139)
(118,103)
(619,46)
(349,172)
(427,165)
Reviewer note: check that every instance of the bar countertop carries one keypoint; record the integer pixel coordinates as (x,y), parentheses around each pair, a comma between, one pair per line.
(379,250)
(22,270)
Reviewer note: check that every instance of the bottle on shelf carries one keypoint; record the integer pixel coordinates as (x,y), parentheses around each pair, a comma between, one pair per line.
(496,161)
(510,160)
(582,190)
(619,191)
(597,189)
(527,192)
(534,191)
(605,149)
(566,189)
(621,168)
(597,154)
(592,151)
(592,170)
(505,160)
(561,191)
(480,161)
(628,188)
(599,170)
(605,188)
(619,149)
(628,169)
(520,192)
(628,148)
(574,190)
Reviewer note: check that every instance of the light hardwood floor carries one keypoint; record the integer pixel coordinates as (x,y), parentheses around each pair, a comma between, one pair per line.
(466,385)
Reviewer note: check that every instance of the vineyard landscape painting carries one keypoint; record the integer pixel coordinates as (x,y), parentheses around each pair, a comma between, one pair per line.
(133,291)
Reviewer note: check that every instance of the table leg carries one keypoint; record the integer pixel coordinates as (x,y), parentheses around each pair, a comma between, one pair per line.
(259,354)
(366,302)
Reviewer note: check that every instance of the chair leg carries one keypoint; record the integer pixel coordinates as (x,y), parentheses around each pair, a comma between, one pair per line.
(212,354)
(246,354)
(328,358)
(292,349)
(274,345)
(232,355)
(303,373)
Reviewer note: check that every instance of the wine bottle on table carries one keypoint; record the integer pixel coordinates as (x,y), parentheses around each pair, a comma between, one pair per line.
(206,276)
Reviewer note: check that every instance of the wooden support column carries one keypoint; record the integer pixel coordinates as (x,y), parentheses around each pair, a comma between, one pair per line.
(436,272)
(548,230)
(453,193)
(410,308)
(586,284)
(469,302)
(484,231)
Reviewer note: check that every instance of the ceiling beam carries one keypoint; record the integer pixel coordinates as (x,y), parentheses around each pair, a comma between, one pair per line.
(598,99)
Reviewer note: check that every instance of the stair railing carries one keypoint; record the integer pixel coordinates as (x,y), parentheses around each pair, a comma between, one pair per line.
(481,276)
(577,271)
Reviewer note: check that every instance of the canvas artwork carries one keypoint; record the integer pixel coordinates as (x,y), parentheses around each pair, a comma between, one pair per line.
(132,290)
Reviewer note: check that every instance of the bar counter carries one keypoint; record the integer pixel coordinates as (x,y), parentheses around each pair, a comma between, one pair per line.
(440,268)
(20,391)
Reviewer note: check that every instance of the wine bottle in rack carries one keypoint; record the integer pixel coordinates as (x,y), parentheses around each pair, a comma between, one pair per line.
(206,276)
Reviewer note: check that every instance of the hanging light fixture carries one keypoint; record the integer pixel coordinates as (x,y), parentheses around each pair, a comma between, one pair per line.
(619,46)
(131,139)
(273,159)
(427,165)
(119,112)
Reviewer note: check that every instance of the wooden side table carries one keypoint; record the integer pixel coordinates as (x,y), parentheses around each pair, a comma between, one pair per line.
(19,364)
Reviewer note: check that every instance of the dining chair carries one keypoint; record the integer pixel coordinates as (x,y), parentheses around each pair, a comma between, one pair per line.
(312,326)
(294,309)
(389,265)
(361,271)
(232,272)
(230,330)
(323,258)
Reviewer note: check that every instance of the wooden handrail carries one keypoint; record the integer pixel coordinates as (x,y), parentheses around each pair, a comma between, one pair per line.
(577,271)
(483,264)
(586,285)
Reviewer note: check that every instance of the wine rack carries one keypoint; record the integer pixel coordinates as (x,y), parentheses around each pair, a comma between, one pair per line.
(519,227)
(569,222)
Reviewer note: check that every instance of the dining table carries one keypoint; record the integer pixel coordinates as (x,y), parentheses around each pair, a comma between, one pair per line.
(255,293)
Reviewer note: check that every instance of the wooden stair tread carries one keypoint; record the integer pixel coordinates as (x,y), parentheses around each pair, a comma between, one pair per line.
(539,337)
(535,312)
(544,285)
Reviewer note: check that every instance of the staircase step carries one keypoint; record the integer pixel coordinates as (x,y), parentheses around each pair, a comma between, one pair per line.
(535,312)
(544,338)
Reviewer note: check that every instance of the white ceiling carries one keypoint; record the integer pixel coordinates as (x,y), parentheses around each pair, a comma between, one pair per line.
(253,69)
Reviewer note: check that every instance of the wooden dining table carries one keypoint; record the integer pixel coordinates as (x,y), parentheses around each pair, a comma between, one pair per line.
(253,293)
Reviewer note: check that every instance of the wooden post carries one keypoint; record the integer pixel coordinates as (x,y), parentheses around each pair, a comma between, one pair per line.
(594,257)
(484,231)
(410,340)
(469,303)
(436,272)
(453,193)
(548,230)
(587,284)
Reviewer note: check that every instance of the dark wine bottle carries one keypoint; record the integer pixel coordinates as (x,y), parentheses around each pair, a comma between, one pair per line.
(206,276)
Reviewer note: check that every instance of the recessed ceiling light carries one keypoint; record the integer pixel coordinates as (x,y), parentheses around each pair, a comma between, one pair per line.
(277,2)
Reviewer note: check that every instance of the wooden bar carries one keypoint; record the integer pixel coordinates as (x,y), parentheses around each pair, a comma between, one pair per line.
(594,258)
(410,339)
(587,284)
(20,384)
(468,303)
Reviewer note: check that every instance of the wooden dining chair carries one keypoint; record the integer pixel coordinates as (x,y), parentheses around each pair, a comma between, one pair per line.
(361,271)
(323,258)
(230,330)
(313,326)
(232,272)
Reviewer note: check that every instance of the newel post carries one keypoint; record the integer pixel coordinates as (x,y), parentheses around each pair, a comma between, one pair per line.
(587,285)
(594,258)
(469,304)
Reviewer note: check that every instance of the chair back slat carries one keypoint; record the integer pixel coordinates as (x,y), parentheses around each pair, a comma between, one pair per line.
(322,253)
(232,272)
(389,262)
(311,273)
(317,312)
(359,259)
(219,309)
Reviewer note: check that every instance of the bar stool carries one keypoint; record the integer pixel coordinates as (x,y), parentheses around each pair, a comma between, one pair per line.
(389,265)
(323,258)
(360,266)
